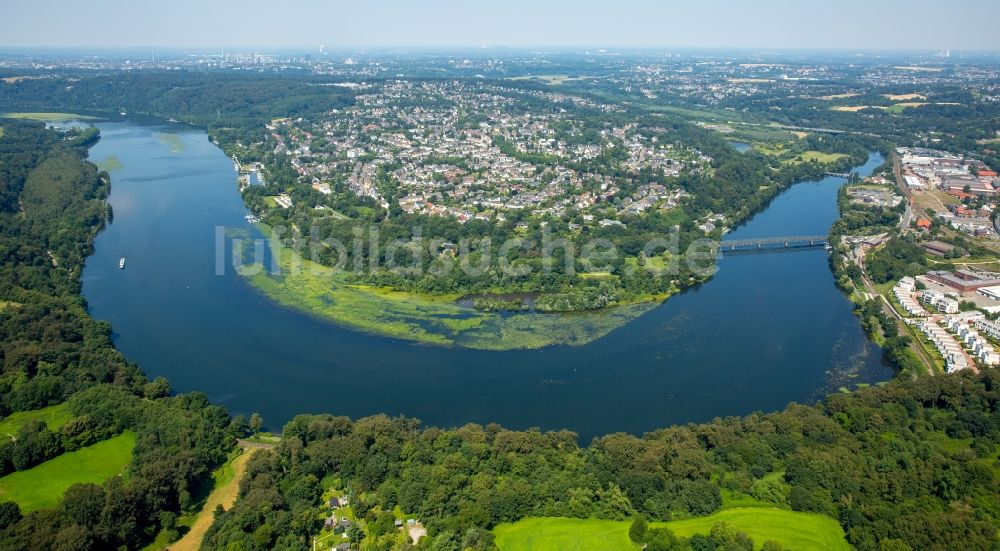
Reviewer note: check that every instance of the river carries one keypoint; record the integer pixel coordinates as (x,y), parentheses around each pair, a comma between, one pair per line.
(766,330)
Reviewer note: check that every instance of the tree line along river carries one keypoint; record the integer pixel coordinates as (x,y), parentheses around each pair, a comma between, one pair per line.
(766,330)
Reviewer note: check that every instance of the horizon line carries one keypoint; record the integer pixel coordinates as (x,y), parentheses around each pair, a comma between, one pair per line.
(592,49)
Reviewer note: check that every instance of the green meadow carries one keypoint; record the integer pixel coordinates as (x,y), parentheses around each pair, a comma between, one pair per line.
(817,156)
(794,530)
(787,156)
(42,486)
(53,416)
(564,534)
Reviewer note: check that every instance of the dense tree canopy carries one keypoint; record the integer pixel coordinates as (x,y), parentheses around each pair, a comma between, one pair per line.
(51,206)
(912,462)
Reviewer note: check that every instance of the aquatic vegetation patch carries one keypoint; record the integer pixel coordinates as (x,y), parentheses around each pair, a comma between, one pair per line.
(172,140)
(434,319)
(110,164)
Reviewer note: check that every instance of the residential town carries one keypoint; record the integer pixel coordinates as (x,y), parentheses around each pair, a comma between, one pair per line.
(950,309)
(472,151)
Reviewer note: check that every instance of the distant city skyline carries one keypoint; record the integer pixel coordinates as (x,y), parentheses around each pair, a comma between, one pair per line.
(306,24)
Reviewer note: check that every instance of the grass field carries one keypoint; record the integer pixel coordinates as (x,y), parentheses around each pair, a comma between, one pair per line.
(54,417)
(787,156)
(799,531)
(935,200)
(794,530)
(564,534)
(48,117)
(43,486)
(817,156)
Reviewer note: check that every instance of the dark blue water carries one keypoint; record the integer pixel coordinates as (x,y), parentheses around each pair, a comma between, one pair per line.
(768,329)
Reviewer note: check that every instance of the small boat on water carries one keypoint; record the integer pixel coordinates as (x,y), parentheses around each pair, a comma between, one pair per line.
(121,264)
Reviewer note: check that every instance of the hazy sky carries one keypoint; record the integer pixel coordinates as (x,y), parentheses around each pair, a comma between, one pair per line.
(847,24)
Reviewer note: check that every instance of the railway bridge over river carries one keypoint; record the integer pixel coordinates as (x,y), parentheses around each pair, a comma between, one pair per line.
(761,244)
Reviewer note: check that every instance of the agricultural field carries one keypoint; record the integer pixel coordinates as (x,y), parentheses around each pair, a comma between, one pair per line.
(794,530)
(895,109)
(904,97)
(854,108)
(48,117)
(12,80)
(53,416)
(42,486)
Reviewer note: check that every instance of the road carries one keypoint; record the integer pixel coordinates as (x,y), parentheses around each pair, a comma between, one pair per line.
(906,220)
(224,495)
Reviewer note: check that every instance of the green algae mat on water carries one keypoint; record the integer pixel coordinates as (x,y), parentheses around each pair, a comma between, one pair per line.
(324,292)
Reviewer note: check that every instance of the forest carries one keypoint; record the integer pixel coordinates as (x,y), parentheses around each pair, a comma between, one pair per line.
(52,352)
(909,465)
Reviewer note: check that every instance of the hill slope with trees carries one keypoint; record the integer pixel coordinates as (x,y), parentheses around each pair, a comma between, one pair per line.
(911,465)
(52,203)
